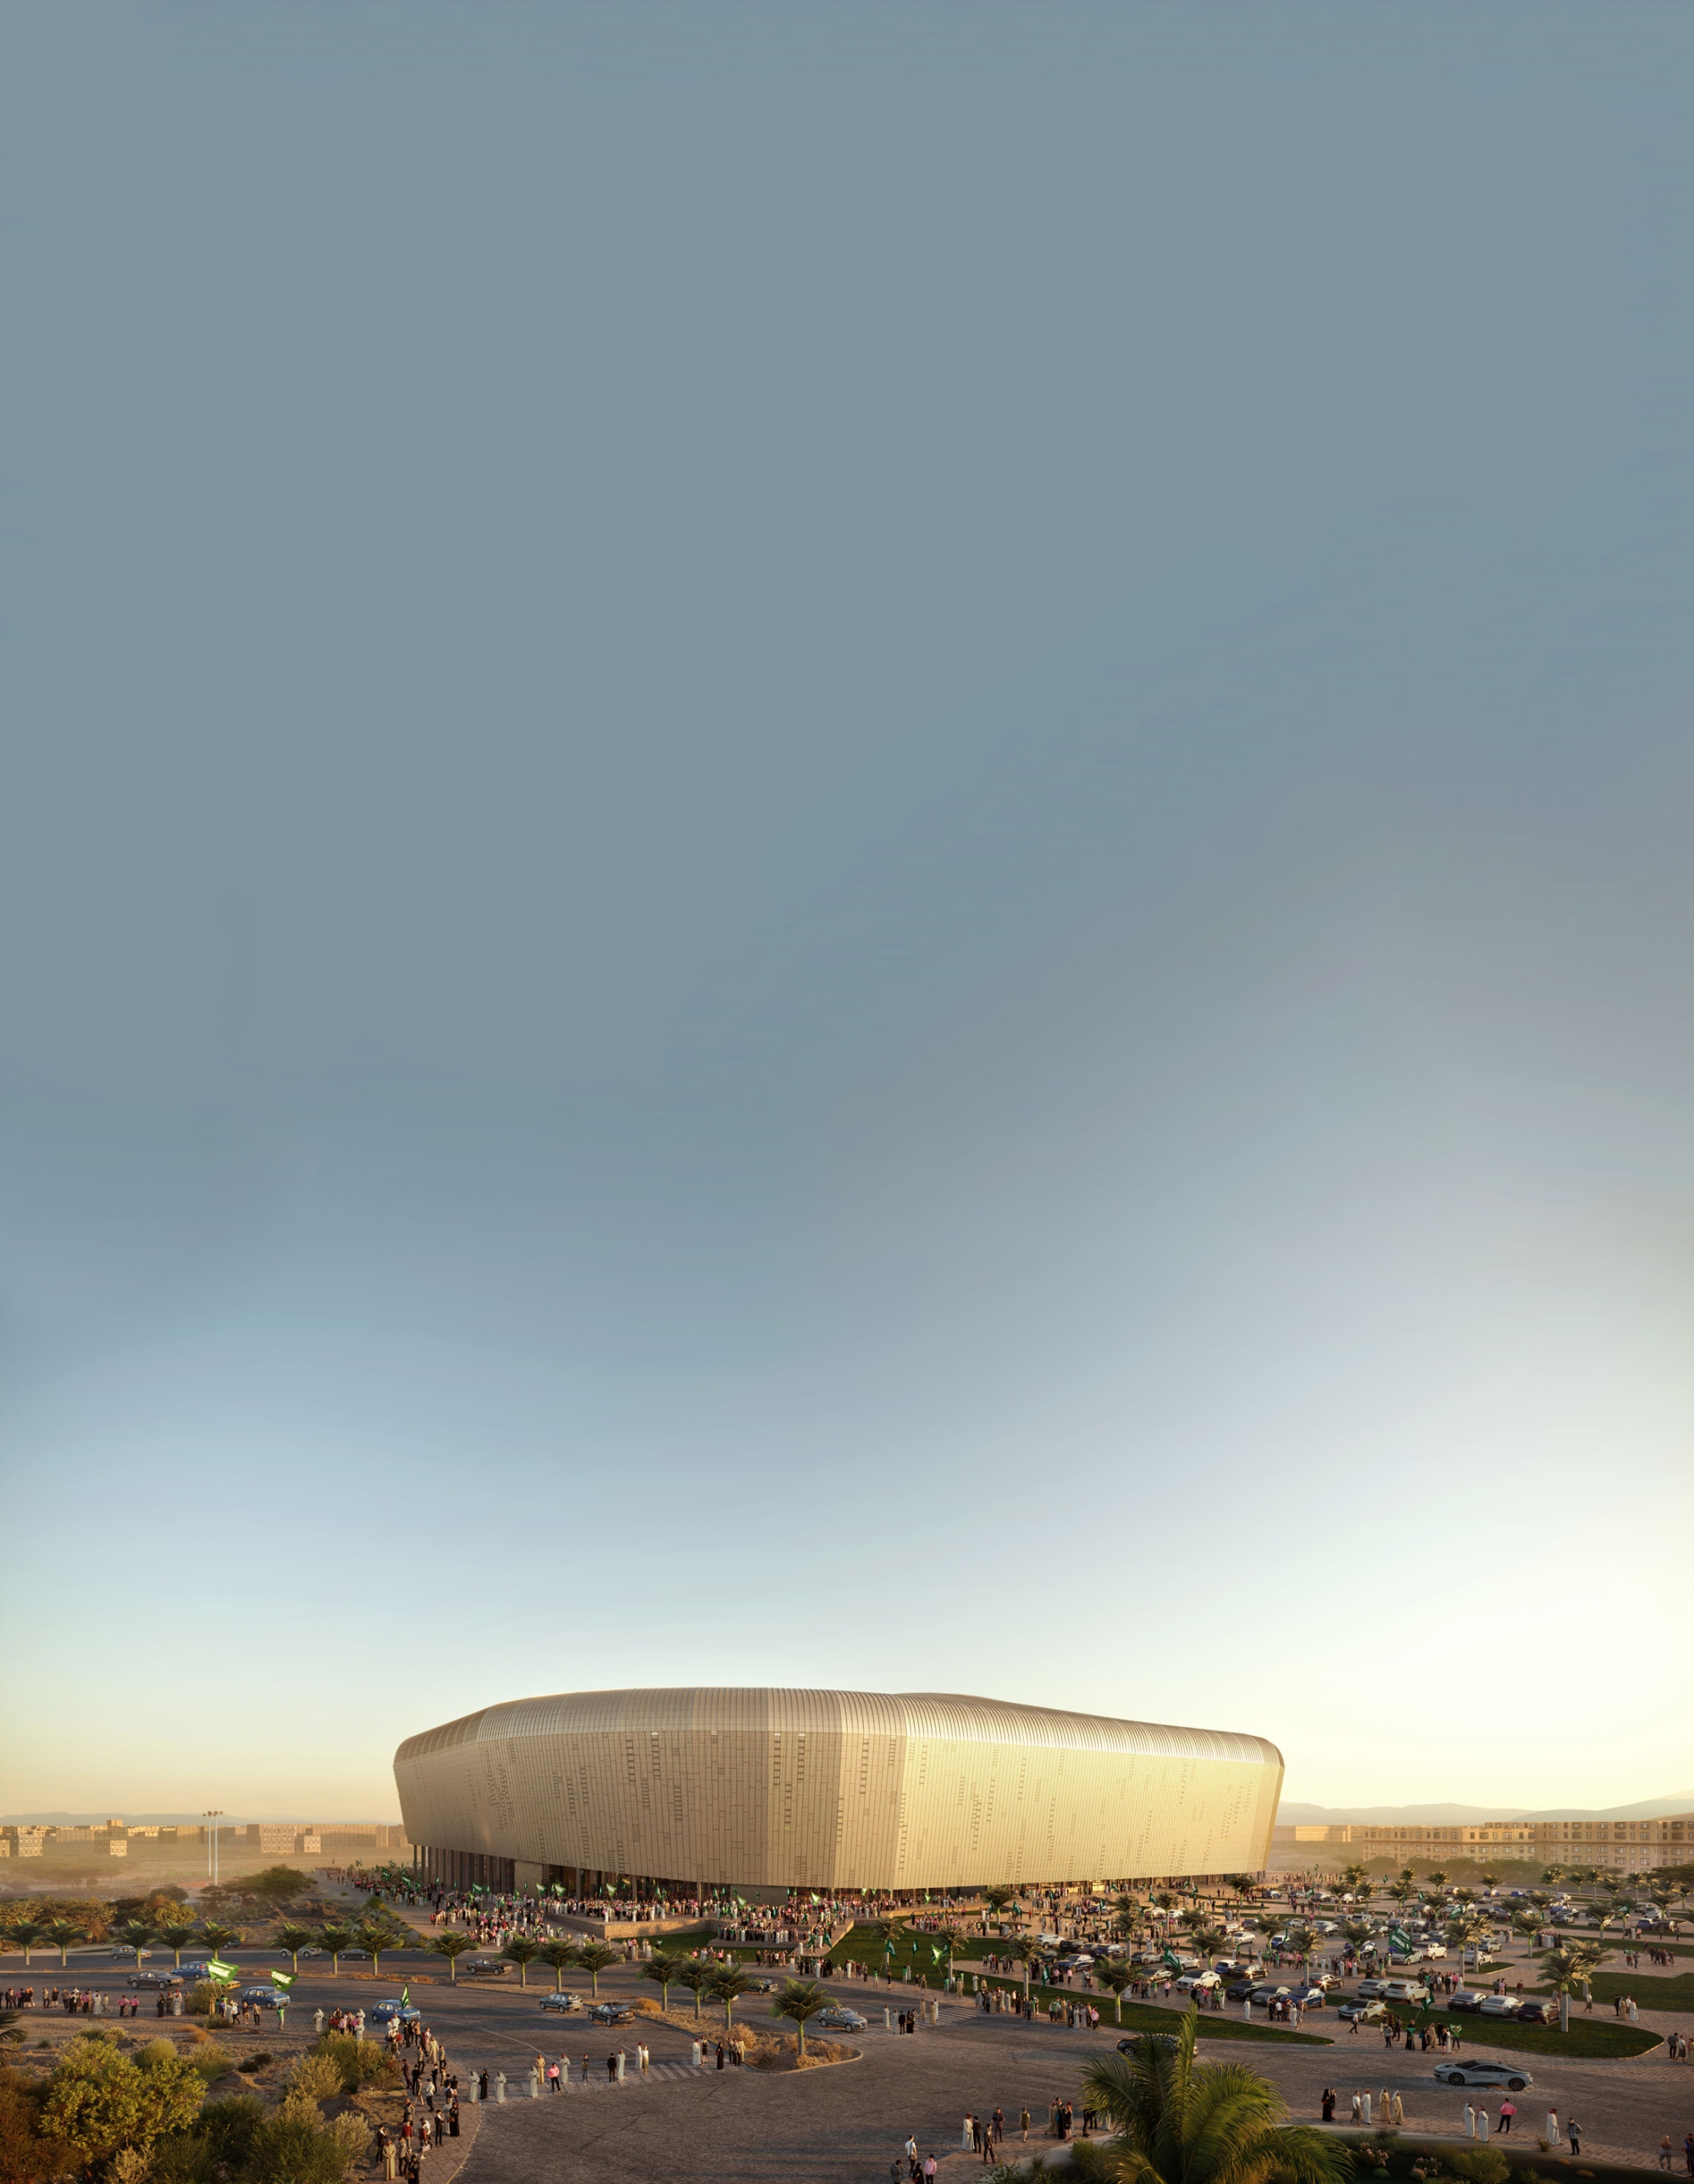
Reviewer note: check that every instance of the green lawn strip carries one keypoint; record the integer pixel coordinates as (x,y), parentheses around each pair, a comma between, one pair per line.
(1587,2036)
(1652,1989)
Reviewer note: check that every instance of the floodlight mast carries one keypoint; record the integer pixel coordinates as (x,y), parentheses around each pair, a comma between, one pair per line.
(211,1818)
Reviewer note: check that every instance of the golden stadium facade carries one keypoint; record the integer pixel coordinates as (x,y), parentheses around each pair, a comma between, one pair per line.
(838,1790)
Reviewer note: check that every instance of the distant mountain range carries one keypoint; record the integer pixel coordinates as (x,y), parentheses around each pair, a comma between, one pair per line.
(147,1819)
(1292,1813)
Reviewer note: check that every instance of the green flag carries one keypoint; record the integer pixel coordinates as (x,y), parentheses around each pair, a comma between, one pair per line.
(222,1972)
(284,1980)
(406,1996)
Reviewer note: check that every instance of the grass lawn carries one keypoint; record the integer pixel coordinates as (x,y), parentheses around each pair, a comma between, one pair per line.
(1652,1989)
(1590,2036)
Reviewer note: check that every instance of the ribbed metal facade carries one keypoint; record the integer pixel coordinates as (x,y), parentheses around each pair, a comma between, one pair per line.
(836,1790)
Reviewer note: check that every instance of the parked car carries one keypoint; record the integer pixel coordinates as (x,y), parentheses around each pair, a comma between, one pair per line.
(1530,2011)
(1309,1998)
(1372,1990)
(562,2002)
(839,2018)
(1401,1990)
(609,2013)
(1465,1997)
(1197,1982)
(1358,2012)
(485,1968)
(157,1979)
(1431,1947)
(1470,2072)
(1498,2005)
(1241,1990)
(385,2012)
(1268,1990)
(263,1997)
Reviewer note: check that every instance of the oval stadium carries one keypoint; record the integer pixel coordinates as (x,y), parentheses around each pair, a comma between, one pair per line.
(690,1790)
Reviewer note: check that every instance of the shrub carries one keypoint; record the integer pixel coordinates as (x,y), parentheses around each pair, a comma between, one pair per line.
(1484,2166)
(316,2077)
(361,2063)
(98,2100)
(156,2051)
(211,2060)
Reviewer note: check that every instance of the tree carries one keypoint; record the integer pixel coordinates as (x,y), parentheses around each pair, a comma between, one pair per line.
(135,1934)
(376,1937)
(1180,2122)
(800,1999)
(1465,1931)
(664,1968)
(98,2100)
(1113,1977)
(175,1934)
(217,1937)
(998,1897)
(333,1939)
(452,1945)
(1438,1880)
(1245,1885)
(27,1934)
(1490,1878)
(595,1958)
(293,1939)
(1566,1968)
(949,1936)
(697,1975)
(1029,1952)
(62,1933)
(275,1886)
(522,1952)
(729,1983)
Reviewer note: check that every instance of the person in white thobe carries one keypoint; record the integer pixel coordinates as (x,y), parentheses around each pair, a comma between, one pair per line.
(1469,2121)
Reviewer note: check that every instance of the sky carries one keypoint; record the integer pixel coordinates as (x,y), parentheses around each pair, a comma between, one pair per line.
(846,846)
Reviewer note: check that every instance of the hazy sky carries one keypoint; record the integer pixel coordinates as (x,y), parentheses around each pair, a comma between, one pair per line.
(847,845)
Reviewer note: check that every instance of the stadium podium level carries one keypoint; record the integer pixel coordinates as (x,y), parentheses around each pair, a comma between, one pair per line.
(689,1791)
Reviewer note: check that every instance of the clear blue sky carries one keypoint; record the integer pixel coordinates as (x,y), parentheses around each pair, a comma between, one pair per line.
(847,845)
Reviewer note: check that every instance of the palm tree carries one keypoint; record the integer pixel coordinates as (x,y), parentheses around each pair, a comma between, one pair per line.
(135,1934)
(293,1939)
(522,1952)
(1566,1968)
(950,1936)
(557,1958)
(62,1932)
(333,1940)
(1244,1885)
(175,1934)
(1490,1879)
(218,1938)
(998,1897)
(1180,2122)
(452,1945)
(1113,1977)
(1029,1952)
(1438,1880)
(27,1934)
(1464,1930)
(696,1974)
(594,1957)
(664,1968)
(376,1937)
(800,1999)
(730,1982)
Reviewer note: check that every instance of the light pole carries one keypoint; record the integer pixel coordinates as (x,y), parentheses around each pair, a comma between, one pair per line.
(211,1818)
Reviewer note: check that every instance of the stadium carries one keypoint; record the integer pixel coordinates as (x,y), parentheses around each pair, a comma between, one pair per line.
(684,1792)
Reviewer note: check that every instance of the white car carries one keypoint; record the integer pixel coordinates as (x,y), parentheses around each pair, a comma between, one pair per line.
(1432,1948)
(1399,1990)
(1470,2072)
(1193,1982)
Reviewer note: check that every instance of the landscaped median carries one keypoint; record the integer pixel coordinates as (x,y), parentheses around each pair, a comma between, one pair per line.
(865,1946)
